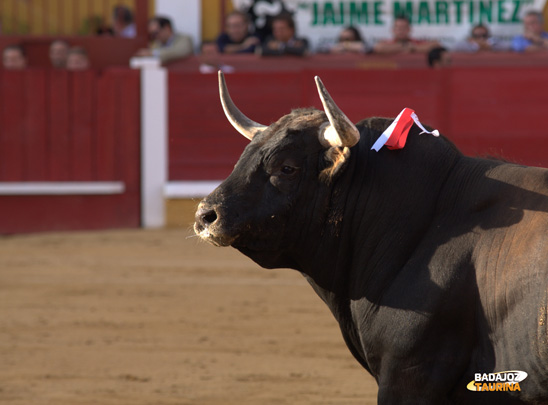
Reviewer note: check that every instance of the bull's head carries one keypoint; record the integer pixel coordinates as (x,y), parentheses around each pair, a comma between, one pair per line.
(288,164)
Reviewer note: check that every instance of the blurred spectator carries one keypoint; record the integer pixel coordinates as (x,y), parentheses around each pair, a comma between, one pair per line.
(210,58)
(237,38)
(102,29)
(166,45)
(283,40)
(349,41)
(534,37)
(480,39)
(77,59)
(123,25)
(439,57)
(401,41)
(58,52)
(14,57)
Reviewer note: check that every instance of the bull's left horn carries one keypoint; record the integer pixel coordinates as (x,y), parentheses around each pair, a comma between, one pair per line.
(239,121)
(341,131)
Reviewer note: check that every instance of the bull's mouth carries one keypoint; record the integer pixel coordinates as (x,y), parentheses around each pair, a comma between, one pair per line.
(215,238)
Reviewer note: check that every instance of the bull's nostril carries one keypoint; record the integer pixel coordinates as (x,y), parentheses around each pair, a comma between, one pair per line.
(209,217)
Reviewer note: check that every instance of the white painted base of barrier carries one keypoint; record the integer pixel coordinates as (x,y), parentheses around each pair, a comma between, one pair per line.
(154,130)
(189,189)
(154,126)
(62,188)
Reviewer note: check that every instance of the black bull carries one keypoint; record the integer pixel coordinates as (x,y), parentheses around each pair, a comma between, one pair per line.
(434,264)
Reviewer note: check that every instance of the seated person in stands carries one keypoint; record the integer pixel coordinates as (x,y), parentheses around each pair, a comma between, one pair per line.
(480,39)
(350,40)
(167,45)
(237,38)
(210,59)
(402,42)
(14,57)
(77,59)
(438,57)
(283,40)
(58,51)
(534,38)
(123,25)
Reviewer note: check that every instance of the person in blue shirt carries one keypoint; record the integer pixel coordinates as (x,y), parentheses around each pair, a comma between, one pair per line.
(534,38)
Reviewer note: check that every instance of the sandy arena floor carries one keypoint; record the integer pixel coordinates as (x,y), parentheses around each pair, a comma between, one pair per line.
(157,317)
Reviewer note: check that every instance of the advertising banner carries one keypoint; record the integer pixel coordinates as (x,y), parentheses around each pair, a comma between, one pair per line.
(447,21)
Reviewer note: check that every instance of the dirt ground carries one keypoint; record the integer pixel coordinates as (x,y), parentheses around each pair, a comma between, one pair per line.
(158,317)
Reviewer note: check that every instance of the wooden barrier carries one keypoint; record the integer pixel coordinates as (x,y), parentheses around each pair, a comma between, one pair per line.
(70,141)
(250,63)
(75,137)
(484,110)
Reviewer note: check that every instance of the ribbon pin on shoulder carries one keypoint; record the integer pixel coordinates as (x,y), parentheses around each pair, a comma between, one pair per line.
(395,136)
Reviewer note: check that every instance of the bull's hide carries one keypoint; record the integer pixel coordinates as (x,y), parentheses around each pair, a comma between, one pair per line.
(434,264)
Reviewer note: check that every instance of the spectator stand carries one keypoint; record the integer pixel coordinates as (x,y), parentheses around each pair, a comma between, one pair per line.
(75,22)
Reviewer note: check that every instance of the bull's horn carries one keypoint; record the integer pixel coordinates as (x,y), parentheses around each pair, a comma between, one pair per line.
(240,122)
(340,131)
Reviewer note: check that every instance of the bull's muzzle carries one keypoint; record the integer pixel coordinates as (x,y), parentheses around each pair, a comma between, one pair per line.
(208,226)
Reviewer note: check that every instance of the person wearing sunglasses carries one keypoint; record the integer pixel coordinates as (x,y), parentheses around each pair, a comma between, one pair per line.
(350,40)
(480,40)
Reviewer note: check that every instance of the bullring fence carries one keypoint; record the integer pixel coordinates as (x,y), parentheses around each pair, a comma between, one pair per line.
(105,148)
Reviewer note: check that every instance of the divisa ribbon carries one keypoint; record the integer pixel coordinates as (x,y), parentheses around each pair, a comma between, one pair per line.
(395,136)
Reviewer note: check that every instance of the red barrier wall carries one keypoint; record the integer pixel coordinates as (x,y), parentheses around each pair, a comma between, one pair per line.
(85,126)
(484,110)
(60,126)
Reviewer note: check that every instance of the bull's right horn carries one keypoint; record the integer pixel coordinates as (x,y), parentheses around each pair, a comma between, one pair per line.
(239,121)
(340,131)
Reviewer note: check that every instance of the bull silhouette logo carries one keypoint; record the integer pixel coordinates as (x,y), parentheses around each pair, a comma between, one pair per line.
(261,13)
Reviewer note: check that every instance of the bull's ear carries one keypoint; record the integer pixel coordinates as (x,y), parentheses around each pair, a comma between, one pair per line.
(239,121)
(340,132)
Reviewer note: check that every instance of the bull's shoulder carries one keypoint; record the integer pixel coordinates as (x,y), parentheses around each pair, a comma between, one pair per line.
(532,179)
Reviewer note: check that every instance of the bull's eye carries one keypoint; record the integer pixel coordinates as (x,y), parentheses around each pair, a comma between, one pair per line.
(288,170)
(284,176)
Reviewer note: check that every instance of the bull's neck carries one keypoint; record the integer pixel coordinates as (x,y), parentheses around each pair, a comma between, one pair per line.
(380,209)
